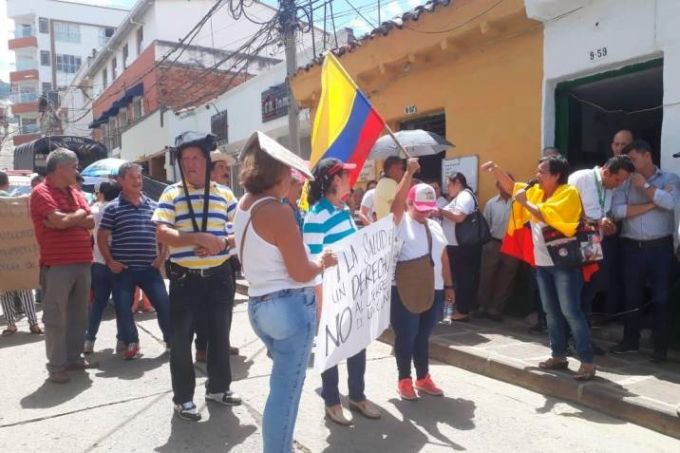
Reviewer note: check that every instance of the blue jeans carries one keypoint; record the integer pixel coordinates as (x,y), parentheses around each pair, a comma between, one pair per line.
(653,264)
(151,282)
(412,335)
(286,322)
(561,297)
(102,285)
(330,379)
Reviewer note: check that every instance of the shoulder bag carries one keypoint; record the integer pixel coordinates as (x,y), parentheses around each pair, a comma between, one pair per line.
(415,280)
(474,230)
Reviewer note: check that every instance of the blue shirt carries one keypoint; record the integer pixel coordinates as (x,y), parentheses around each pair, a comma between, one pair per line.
(657,223)
(133,234)
(326,224)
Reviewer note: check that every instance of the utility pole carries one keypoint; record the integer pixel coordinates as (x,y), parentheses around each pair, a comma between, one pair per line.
(288,24)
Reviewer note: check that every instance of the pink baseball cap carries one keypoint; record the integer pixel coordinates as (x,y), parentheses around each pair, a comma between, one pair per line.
(423,198)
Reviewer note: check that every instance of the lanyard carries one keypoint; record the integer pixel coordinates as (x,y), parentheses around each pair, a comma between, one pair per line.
(600,192)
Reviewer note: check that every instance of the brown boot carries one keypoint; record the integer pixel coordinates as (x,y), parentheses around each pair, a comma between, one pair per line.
(59,377)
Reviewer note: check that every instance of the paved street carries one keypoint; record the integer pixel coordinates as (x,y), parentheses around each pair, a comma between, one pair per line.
(126,407)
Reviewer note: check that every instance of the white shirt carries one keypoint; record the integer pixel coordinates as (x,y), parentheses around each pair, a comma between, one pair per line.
(541,255)
(464,203)
(497,212)
(414,245)
(597,201)
(368,201)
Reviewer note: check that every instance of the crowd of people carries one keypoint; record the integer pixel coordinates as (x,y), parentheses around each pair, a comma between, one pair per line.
(199,236)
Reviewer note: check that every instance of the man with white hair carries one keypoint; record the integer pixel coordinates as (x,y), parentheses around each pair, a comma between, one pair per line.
(63,221)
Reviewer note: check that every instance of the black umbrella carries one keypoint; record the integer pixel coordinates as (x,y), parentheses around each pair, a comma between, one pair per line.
(416,142)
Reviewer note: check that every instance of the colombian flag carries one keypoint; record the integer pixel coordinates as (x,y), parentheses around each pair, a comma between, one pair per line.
(346,125)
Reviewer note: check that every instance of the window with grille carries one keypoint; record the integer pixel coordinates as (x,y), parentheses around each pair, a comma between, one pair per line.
(65,32)
(114,68)
(125,56)
(45,58)
(105,78)
(43,25)
(137,108)
(68,63)
(140,40)
(219,126)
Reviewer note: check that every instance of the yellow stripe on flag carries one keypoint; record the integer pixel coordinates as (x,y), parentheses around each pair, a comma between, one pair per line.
(338,91)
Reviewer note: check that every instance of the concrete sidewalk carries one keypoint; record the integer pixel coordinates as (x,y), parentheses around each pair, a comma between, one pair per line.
(627,386)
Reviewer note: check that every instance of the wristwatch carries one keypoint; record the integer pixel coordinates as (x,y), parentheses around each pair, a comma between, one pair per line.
(646,185)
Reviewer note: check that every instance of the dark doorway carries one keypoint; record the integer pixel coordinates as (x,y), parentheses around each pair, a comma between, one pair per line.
(430,166)
(591,110)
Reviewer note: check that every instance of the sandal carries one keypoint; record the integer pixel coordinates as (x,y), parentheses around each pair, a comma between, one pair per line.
(10,330)
(35,328)
(586,372)
(554,363)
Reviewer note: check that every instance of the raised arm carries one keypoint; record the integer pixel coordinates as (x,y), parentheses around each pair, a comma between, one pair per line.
(399,203)
(501,175)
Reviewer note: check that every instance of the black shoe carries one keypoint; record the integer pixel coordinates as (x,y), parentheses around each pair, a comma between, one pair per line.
(227,398)
(658,357)
(187,411)
(623,348)
(597,350)
(494,317)
(539,327)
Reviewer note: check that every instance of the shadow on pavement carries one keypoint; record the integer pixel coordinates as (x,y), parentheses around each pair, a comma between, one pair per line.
(219,430)
(51,395)
(19,338)
(384,434)
(114,366)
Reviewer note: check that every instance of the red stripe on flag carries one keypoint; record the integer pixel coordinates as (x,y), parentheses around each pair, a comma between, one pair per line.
(371,130)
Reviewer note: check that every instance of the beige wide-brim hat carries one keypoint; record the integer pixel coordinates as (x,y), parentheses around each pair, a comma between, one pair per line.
(260,141)
(217,155)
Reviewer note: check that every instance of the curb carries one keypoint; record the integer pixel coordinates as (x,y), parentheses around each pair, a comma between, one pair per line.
(646,413)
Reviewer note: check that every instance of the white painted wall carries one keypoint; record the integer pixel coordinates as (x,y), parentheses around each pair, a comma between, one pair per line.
(633,31)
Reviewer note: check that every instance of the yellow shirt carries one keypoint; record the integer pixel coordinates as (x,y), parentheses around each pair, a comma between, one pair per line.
(384,195)
(173,210)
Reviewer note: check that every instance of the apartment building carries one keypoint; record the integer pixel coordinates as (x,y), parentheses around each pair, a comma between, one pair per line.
(52,40)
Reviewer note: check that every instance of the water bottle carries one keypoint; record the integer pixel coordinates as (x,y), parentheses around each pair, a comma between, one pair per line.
(448,311)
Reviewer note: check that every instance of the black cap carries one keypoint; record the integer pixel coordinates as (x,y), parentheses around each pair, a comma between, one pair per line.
(329,167)
(202,140)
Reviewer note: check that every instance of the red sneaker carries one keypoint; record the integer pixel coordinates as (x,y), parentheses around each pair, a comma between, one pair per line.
(406,391)
(426,385)
(132,351)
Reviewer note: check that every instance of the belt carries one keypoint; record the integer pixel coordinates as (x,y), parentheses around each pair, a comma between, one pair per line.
(666,240)
(177,271)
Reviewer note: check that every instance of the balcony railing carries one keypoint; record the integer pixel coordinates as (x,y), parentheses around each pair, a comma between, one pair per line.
(26,64)
(23,98)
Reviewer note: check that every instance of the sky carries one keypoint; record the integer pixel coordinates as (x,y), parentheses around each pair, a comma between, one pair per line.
(345,14)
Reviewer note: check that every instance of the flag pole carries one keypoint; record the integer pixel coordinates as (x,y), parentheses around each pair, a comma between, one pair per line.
(394,137)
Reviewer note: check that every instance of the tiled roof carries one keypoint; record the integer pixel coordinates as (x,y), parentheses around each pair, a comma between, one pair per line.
(431,6)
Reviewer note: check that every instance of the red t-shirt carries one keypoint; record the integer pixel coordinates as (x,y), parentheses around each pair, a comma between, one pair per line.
(57,247)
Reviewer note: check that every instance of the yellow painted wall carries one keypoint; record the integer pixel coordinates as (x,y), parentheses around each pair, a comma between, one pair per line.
(490,88)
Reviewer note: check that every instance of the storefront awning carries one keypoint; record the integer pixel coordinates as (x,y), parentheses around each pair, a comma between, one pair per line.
(123,101)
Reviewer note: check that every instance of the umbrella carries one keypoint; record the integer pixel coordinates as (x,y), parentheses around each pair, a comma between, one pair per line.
(103,167)
(417,142)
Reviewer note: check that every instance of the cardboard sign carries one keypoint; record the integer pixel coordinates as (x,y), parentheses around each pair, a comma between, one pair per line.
(356,294)
(19,253)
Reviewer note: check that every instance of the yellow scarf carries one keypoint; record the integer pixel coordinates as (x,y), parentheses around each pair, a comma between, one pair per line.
(561,211)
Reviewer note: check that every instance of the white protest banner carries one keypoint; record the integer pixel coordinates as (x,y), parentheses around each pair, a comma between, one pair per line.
(356,294)
(18,247)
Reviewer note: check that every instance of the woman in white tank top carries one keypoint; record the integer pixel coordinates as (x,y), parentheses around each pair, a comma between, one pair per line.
(282,306)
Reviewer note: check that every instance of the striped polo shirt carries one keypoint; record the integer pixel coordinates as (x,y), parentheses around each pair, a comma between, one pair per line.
(133,234)
(326,224)
(173,210)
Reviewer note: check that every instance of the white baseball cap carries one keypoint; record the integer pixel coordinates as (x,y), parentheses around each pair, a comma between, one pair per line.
(217,155)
